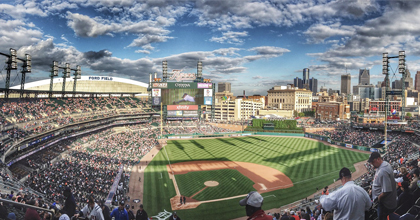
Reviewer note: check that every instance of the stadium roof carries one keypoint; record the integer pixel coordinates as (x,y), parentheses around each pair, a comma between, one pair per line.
(83,78)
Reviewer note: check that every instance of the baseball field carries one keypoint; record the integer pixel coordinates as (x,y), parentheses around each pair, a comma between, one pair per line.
(214,174)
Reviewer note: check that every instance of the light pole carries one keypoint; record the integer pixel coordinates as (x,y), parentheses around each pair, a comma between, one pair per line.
(27,68)
(54,72)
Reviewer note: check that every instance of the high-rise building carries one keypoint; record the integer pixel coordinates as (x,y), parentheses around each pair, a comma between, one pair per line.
(417,81)
(313,85)
(305,78)
(224,86)
(297,82)
(346,84)
(408,80)
(364,77)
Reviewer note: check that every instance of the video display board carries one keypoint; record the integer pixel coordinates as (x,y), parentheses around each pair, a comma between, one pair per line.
(182,97)
(182,93)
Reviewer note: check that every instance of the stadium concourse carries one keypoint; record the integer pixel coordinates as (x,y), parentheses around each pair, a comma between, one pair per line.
(86,144)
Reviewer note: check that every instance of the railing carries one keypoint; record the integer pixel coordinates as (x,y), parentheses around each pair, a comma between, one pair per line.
(26,206)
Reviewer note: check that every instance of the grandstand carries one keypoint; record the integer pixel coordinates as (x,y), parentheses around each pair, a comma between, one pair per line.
(101,146)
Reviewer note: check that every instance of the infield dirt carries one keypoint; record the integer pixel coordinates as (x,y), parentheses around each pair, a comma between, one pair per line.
(265,178)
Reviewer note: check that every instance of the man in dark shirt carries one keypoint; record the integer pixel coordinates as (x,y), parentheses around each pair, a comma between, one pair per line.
(141,214)
(69,204)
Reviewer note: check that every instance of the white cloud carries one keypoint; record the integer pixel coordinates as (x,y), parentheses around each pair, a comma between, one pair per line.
(319,32)
(231,37)
(258,77)
(15,33)
(269,50)
(148,39)
(142,51)
(21,10)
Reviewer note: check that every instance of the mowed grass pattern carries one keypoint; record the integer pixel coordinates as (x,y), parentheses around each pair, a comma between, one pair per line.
(309,164)
(231,183)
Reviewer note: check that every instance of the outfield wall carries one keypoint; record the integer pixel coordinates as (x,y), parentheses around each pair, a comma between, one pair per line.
(228,134)
(328,139)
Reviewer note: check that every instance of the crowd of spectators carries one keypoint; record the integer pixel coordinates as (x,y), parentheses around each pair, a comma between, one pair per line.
(353,136)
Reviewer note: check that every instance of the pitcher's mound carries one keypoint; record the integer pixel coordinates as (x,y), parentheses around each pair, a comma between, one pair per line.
(211,183)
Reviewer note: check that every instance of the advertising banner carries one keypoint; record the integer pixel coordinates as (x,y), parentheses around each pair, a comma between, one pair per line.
(349,146)
(208,100)
(208,92)
(186,137)
(156,100)
(191,115)
(156,93)
(182,107)
(171,113)
(182,85)
(190,112)
(160,85)
(204,85)
(173,137)
(374,150)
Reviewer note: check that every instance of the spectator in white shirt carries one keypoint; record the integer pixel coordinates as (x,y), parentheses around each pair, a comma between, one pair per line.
(349,202)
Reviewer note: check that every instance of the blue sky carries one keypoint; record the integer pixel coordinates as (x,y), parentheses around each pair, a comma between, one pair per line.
(255,45)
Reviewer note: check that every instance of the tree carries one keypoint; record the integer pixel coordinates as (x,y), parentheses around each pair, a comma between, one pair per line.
(295,113)
(301,114)
(310,113)
(408,114)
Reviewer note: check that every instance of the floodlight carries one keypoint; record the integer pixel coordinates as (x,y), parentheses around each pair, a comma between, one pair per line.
(401,62)
(78,70)
(13,59)
(385,63)
(55,68)
(28,63)
(165,69)
(67,70)
(199,69)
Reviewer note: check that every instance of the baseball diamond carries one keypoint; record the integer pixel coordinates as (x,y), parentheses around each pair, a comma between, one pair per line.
(282,169)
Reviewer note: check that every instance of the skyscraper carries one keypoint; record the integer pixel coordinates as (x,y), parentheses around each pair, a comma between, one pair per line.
(408,80)
(313,85)
(297,82)
(305,78)
(346,84)
(417,81)
(224,86)
(364,77)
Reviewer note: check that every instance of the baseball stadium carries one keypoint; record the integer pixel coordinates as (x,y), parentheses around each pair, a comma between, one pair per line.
(146,147)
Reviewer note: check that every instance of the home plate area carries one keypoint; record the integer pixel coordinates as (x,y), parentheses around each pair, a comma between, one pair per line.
(210,181)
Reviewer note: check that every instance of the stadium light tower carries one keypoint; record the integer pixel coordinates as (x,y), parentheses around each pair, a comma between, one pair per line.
(164,70)
(54,72)
(27,68)
(77,75)
(66,74)
(385,68)
(199,70)
(11,65)
(402,71)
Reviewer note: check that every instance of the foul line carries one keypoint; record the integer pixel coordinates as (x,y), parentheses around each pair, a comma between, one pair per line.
(173,175)
(201,190)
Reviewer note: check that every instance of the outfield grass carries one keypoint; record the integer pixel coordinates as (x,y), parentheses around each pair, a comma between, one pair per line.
(231,183)
(309,164)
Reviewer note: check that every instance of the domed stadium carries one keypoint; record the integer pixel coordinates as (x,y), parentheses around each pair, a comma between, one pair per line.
(95,84)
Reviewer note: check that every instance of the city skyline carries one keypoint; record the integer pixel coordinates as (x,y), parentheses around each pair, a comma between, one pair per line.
(254,45)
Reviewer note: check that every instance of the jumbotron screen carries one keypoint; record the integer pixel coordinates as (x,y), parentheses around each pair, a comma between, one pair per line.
(182,93)
(182,96)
